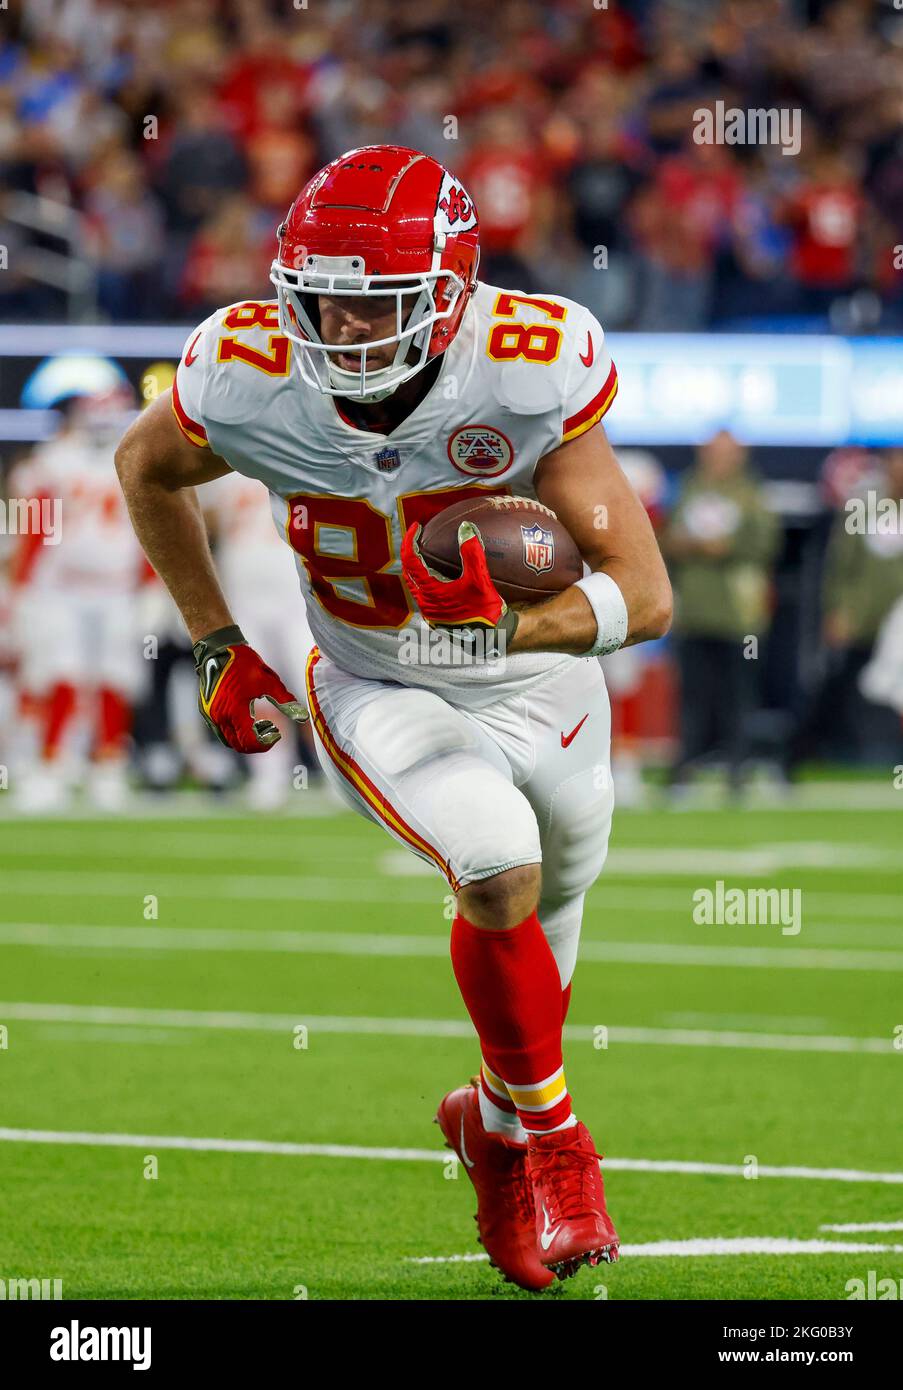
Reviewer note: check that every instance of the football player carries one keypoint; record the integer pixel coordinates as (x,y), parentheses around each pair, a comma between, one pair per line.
(384,384)
(75,594)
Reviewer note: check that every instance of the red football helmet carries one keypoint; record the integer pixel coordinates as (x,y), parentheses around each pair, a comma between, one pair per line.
(381,220)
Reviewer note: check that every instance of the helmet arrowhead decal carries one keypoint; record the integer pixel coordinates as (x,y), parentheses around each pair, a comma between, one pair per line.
(455,211)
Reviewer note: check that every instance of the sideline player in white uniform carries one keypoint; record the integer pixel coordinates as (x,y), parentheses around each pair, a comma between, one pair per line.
(76,592)
(384,384)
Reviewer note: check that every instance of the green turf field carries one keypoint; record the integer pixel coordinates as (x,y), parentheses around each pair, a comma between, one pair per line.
(175,1037)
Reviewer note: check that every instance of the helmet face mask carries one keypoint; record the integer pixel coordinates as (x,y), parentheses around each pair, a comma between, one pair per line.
(420,302)
(383,223)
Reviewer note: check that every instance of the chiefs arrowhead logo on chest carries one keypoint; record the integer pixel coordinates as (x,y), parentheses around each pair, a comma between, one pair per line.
(480,450)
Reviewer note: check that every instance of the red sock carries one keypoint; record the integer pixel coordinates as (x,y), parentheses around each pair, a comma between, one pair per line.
(510,984)
(58,712)
(114,722)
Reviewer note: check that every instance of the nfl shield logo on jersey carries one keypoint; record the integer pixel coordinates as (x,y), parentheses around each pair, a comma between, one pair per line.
(539,548)
(387,460)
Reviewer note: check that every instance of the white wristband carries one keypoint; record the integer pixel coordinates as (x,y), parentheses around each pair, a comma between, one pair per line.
(608,604)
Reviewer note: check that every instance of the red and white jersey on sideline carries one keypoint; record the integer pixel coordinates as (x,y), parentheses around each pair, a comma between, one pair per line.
(523,374)
(88,546)
(251,554)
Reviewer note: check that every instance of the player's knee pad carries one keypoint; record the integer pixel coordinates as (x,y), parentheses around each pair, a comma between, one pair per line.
(457,784)
(489,826)
(561,924)
(575,843)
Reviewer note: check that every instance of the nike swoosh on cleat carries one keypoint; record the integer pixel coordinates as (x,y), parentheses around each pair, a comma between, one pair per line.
(587,357)
(464,1154)
(567,739)
(548,1233)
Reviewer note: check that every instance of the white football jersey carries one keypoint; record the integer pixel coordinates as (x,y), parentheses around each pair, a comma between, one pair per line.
(523,374)
(89,545)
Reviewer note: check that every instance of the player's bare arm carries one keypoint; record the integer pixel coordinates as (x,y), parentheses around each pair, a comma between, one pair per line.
(159,470)
(584,485)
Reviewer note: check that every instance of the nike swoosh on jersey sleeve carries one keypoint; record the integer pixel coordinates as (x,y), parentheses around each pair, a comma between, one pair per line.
(592,380)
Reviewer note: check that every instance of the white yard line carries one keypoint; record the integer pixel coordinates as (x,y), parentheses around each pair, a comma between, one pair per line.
(772,957)
(711,861)
(216,1145)
(73,936)
(297,845)
(764,1170)
(748,1023)
(315,804)
(265,1146)
(835,795)
(855,1226)
(241,1022)
(171,844)
(701,1246)
(144,938)
(753,860)
(403,870)
(673,901)
(295,888)
(93,1015)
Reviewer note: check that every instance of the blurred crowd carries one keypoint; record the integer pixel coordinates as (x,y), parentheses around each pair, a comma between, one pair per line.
(168,140)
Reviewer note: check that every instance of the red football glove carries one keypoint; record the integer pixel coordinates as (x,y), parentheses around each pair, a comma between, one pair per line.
(471,600)
(232,676)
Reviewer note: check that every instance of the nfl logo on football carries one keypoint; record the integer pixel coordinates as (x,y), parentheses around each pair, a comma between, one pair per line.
(539,548)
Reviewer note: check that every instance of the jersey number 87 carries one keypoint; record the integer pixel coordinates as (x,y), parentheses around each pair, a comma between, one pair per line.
(312,516)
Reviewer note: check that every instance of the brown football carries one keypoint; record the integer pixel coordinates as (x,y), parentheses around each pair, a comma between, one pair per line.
(530,554)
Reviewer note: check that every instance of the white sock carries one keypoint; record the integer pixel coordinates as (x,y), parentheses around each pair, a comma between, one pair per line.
(568,1124)
(499,1121)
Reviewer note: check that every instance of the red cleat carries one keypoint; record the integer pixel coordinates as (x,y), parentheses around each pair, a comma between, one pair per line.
(572,1226)
(505,1217)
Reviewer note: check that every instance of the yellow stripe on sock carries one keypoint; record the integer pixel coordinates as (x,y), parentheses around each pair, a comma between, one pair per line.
(539,1097)
(495,1083)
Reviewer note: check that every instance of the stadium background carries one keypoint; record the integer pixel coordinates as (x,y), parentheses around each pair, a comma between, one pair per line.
(146,156)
